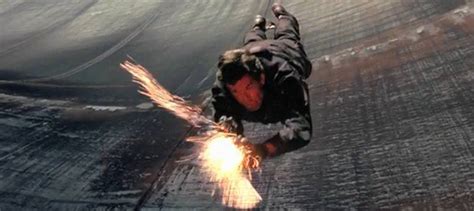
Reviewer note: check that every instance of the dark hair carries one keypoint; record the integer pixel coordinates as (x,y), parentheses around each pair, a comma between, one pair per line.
(234,64)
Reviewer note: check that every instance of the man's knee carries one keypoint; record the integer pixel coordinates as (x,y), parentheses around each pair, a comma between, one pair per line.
(254,35)
(287,28)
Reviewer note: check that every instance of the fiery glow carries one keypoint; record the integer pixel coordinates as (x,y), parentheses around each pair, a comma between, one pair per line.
(223,155)
(223,159)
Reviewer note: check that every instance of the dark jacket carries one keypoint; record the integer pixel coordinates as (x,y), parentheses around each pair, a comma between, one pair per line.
(286,98)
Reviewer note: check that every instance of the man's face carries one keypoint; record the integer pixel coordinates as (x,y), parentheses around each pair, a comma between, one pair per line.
(248,92)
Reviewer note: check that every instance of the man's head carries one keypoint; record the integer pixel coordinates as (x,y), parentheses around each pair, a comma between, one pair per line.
(242,74)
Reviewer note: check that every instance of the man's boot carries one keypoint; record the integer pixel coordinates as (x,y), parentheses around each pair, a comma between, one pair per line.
(260,22)
(279,10)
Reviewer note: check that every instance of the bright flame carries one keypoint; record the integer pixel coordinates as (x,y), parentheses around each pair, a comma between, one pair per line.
(224,154)
(222,158)
(224,161)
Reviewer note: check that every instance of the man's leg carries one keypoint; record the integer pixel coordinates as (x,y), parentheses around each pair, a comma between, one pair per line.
(258,31)
(287,26)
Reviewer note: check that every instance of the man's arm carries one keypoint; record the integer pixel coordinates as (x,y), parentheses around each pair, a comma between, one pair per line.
(225,111)
(297,128)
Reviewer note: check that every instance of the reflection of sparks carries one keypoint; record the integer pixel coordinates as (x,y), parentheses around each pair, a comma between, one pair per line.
(222,158)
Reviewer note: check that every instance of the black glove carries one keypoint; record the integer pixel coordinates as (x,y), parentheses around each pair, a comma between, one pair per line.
(228,124)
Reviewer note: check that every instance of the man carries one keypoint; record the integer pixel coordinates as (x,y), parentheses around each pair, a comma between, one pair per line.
(263,82)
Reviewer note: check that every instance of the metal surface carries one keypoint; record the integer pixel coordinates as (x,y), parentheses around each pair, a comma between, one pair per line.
(392,104)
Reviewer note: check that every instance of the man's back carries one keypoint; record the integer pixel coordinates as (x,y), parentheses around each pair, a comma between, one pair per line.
(281,57)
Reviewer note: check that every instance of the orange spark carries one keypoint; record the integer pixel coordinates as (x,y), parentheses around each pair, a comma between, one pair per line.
(224,161)
(162,98)
(222,158)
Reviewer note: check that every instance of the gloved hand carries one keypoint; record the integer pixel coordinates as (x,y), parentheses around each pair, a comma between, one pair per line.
(228,124)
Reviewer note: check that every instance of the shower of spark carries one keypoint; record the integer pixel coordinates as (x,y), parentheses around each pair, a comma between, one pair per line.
(223,159)
(164,99)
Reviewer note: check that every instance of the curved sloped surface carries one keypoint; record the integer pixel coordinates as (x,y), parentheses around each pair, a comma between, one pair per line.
(391,101)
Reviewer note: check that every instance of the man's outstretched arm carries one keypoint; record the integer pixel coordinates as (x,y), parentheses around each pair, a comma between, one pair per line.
(296,133)
(297,127)
(224,111)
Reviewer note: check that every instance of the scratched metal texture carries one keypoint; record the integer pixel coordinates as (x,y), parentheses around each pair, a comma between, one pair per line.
(392,100)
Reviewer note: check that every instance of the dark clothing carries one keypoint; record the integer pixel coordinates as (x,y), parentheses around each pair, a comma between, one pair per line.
(286,97)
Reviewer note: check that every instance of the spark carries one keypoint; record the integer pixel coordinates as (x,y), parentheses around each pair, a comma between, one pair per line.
(222,158)
(163,98)
(225,160)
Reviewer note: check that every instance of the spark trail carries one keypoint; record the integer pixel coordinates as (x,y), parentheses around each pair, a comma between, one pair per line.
(222,159)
